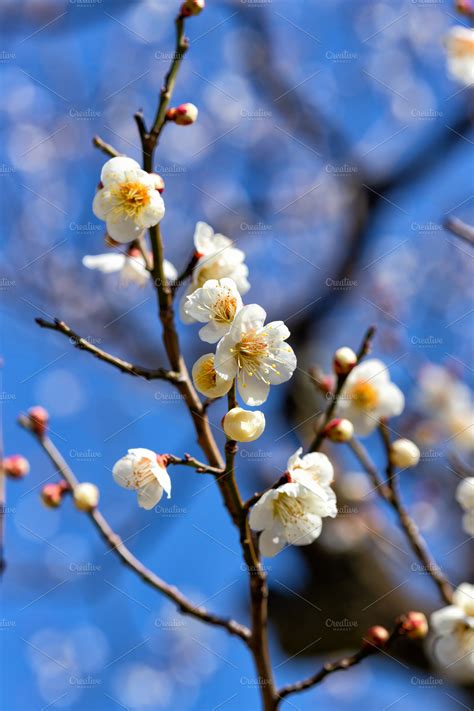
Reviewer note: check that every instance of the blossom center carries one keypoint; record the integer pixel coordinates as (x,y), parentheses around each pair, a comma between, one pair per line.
(287,508)
(224,308)
(205,378)
(463,47)
(143,472)
(251,351)
(364,395)
(131,197)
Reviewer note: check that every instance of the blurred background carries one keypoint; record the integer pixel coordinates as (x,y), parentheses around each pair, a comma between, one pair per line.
(331,145)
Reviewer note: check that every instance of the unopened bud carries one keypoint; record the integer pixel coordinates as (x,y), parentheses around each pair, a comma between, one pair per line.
(159,182)
(465,7)
(376,636)
(39,419)
(86,496)
(404,453)
(52,494)
(243,425)
(344,360)
(183,115)
(16,466)
(413,625)
(192,7)
(339,430)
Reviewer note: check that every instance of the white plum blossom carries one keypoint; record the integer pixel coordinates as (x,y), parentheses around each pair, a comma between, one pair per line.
(142,470)
(243,425)
(465,493)
(128,199)
(452,639)
(460,53)
(206,380)
(368,395)
(293,512)
(130,266)
(216,258)
(255,354)
(215,304)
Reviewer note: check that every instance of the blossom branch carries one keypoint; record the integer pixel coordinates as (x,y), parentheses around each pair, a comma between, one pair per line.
(81,343)
(460,229)
(389,493)
(120,549)
(188,461)
(341,379)
(105,147)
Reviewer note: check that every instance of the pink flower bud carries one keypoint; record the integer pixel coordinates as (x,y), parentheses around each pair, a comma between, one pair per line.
(159,182)
(192,7)
(376,636)
(16,466)
(52,494)
(183,115)
(413,625)
(344,360)
(39,419)
(339,430)
(465,7)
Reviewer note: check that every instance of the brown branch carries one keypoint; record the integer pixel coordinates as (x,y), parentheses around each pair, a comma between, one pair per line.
(123,365)
(185,274)
(328,668)
(105,147)
(188,461)
(460,229)
(119,548)
(389,493)
(341,379)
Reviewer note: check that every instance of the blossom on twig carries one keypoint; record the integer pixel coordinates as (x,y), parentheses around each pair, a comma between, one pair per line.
(243,425)
(216,304)
(452,642)
(131,266)
(206,380)
(128,199)
(141,469)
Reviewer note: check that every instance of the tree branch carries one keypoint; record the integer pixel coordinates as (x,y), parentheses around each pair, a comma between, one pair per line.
(120,549)
(123,365)
(105,147)
(460,229)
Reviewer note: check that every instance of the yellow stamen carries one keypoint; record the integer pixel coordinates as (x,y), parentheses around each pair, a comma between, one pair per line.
(364,395)
(131,198)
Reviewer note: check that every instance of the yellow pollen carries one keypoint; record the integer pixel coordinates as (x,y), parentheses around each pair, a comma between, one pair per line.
(224,309)
(131,198)
(251,351)
(205,378)
(287,508)
(364,395)
(463,47)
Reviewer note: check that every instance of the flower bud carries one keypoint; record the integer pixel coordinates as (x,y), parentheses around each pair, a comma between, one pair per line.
(39,419)
(16,466)
(192,7)
(465,7)
(86,496)
(404,453)
(465,493)
(52,494)
(183,115)
(159,182)
(243,425)
(376,636)
(413,625)
(339,430)
(344,360)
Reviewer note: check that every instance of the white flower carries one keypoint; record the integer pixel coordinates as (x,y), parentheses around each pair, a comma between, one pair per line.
(86,496)
(452,640)
(404,453)
(141,470)
(215,304)
(127,199)
(206,380)
(256,354)
(293,513)
(460,427)
(243,425)
(465,493)
(368,395)
(468,522)
(131,266)
(460,54)
(316,472)
(217,258)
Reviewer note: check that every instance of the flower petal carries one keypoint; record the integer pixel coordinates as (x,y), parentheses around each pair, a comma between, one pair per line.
(105,263)
(149,495)
(224,361)
(252,389)
(116,169)
(270,543)
(391,401)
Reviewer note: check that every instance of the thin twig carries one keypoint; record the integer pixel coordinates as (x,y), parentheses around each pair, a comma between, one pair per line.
(186,273)
(105,147)
(123,365)
(460,229)
(119,548)
(341,379)
(188,461)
